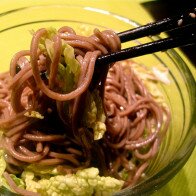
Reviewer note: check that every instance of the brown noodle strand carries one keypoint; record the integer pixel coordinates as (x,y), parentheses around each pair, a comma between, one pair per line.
(16,188)
(42,138)
(55,61)
(15,59)
(68,157)
(48,162)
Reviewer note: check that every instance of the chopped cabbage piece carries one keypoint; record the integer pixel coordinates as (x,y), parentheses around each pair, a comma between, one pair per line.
(68,68)
(94,116)
(34,114)
(42,170)
(161,75)
(2,168)
(85,182)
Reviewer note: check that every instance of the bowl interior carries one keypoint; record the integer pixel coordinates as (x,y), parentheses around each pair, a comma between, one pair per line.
(179,93)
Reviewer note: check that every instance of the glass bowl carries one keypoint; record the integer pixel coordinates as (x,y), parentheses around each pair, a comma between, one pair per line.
(180,94)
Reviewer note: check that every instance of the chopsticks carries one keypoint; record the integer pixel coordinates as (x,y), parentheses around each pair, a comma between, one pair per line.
(164,25)
(151,47)
(182,29)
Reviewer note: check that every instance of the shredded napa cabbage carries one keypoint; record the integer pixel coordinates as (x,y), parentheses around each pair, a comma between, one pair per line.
(42,170)
(94,116)
(34,114)
(2,169)
(2,166)
(46,181)
(84,183)
(68,68)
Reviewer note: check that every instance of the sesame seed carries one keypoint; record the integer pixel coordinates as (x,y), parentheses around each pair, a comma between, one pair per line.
(180,22)
(192,15)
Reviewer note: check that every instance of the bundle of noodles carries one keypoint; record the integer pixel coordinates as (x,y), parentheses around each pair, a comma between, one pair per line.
(42,100)
(135,123)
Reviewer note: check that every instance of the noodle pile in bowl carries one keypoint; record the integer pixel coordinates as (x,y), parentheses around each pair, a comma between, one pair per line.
(41,111)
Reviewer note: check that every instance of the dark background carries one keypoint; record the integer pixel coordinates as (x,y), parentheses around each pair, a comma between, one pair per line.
(163,8)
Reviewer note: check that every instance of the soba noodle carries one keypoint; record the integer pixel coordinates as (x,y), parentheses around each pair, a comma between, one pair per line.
(135,122)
